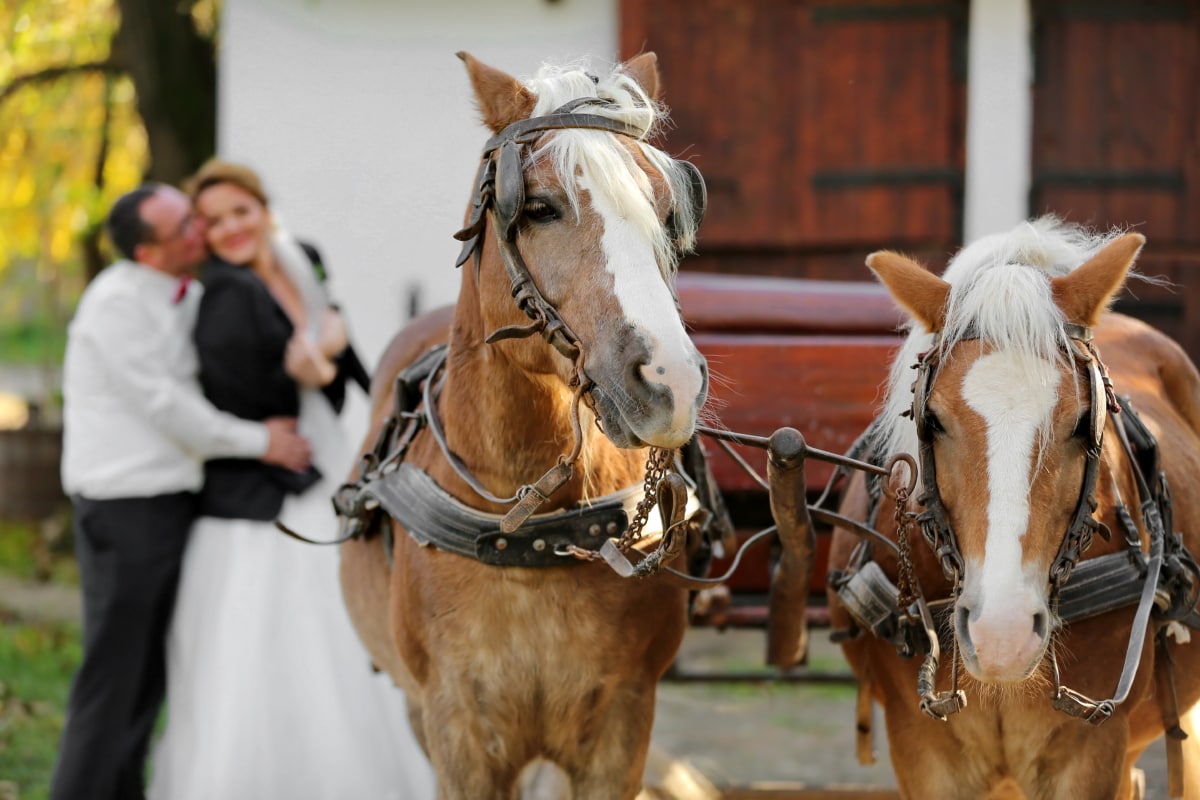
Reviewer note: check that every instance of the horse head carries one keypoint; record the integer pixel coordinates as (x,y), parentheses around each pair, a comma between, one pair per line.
(1008,413)
(581,221)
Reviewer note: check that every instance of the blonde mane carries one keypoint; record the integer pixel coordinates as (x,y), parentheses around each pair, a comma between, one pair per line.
(1000,295)
(599,158)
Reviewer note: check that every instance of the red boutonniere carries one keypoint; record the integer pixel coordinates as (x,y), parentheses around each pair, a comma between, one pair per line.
(181,290)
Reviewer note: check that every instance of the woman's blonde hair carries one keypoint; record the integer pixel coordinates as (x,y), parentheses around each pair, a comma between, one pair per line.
(216,171)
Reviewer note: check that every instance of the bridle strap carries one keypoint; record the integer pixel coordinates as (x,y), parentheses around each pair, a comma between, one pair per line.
(501,164)
(934,522)
(500,193)
(562,118)
(939,533)
(1079,705)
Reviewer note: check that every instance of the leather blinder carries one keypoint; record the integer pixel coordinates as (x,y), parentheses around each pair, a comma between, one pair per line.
(698,194)
(510,189)
(695,199)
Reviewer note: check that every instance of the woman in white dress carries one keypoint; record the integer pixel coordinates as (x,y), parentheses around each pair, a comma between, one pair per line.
(270,693)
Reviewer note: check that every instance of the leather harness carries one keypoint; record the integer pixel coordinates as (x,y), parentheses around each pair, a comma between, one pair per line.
(1164,581)
(433,517)
(521,537)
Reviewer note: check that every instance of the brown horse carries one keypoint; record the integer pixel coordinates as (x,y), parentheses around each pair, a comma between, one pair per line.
(1023,468)
(524,658)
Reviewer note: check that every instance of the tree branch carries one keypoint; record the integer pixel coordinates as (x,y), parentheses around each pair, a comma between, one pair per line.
(50,74)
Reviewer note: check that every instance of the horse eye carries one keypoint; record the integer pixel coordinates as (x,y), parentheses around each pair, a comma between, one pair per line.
(539,211)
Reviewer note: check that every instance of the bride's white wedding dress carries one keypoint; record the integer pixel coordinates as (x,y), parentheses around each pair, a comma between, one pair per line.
(270,694)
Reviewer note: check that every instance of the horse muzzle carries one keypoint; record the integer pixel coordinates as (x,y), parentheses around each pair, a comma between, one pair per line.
(1002,647)
(651,402)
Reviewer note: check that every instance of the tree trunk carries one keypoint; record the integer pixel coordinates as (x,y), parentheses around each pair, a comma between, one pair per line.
(174,71)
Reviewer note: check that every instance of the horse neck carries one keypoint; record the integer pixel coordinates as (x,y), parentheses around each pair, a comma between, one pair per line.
(509,426)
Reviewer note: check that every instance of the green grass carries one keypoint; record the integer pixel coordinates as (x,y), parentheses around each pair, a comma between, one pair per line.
(32,343)
(27,553)
(37,662)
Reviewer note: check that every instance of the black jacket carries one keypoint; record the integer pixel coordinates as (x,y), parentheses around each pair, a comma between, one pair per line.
(241,336)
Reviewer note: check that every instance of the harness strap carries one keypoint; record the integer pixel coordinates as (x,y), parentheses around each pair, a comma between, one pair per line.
(1167,578)
(1098,585)
(434,517)
(864,718)
(1075,704)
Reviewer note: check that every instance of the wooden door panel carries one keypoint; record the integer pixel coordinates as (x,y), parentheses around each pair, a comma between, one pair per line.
(1116,139)
(824,129)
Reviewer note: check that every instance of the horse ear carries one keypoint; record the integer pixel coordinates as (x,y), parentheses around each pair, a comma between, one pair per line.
(502,98)
(917,290)
(1086,292)
(643,68)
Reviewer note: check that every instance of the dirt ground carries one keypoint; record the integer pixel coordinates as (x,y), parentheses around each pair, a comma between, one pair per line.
(793,733)
(748,732)
(771,731)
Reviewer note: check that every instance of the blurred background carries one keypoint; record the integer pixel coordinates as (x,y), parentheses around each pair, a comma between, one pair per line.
(825,129)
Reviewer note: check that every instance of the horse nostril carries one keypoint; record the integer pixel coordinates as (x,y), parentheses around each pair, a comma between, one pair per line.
(962,615)
(1041,624)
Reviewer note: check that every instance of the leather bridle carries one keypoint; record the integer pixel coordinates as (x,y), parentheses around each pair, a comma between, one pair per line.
(500,193)
(939,534)
(935,525)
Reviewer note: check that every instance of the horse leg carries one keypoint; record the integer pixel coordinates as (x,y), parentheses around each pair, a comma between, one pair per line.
(1006,789)
(365,590)
(928,759)
(1088,762)
(612,767)
(471,758)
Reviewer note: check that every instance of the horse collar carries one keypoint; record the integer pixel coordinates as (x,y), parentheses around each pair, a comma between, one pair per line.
(434,517)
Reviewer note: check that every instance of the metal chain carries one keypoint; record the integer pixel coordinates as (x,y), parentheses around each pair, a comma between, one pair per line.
(658,461)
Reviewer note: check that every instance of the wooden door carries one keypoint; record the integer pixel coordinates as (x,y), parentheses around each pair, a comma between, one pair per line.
(825,130)
(1116,139)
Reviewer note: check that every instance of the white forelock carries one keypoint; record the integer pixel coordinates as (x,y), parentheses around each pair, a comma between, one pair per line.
(1000,293)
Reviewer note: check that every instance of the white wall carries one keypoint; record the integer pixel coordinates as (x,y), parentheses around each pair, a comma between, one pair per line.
(362,123)
(999,116)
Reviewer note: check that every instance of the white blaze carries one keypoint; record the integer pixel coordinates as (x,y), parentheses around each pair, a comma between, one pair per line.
(1015,396)
(648,306)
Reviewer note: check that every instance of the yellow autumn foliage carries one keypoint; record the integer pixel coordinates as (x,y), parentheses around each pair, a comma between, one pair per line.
(50,133)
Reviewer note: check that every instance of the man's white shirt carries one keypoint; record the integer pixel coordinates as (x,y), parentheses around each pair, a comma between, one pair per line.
(135,421)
